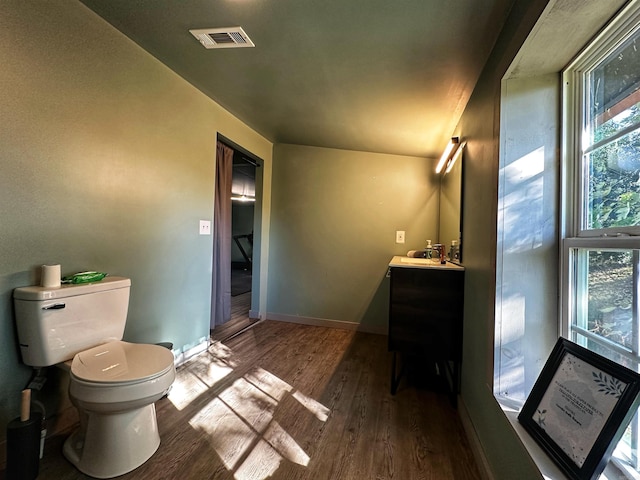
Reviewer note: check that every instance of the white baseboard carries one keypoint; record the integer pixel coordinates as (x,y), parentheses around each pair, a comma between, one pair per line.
(182,355)
(324,322)
(474,441)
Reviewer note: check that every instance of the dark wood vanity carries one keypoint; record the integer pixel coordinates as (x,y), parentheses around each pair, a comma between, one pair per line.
(425,316)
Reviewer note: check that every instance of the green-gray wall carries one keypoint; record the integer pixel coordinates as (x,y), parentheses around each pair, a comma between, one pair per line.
(334,215)
(107,163)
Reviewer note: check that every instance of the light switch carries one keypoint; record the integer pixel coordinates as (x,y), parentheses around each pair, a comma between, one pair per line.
(400,236)
(205,227)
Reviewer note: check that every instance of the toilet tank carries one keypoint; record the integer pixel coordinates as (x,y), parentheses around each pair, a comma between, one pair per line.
(56,323)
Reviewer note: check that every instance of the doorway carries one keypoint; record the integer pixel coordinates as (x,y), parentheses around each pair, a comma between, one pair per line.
(236,262)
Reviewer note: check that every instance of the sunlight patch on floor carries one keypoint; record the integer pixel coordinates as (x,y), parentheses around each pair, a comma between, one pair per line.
(239,423)
(227,433)
(250,403)
(283,442)
(262,462)
(268,383)
(320,411)
(200,374)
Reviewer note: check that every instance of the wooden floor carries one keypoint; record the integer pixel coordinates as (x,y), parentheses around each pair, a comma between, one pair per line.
(287,401)
(240,306)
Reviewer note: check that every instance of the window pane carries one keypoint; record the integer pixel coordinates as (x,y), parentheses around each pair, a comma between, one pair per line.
(611,139)
(614,91)
(613,196)
(608,296)
(605,298)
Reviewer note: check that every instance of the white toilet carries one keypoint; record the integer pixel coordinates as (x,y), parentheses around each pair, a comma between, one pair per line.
(113,384)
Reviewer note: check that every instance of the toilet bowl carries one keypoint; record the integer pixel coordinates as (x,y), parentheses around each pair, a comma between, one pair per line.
(114,387)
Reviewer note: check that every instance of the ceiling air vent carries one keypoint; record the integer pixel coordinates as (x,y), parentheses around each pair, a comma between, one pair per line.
(230,37)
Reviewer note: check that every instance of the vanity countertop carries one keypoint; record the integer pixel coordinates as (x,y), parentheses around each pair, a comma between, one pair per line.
(408,262)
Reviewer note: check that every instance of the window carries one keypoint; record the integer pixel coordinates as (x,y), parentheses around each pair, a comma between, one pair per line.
(601,200)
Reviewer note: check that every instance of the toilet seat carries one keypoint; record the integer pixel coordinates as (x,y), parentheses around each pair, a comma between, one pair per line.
(121,363)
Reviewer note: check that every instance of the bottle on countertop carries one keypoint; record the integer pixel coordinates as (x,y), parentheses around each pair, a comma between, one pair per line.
(454,253)
(443,255)
(429,250)
(440,252)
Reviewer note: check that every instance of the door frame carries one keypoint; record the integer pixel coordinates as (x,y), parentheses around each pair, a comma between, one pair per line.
(257,224)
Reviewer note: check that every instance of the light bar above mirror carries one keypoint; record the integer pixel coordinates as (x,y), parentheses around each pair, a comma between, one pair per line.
(448,153)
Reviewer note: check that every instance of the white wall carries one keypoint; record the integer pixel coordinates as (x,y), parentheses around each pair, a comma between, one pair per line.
(527,249)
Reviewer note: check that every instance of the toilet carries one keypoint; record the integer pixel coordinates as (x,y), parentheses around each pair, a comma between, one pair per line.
(113,384)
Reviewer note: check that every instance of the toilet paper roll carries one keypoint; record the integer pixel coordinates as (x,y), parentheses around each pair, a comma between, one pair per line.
(50,276)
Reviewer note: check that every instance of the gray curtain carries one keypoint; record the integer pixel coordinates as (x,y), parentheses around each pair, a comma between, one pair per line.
(221,282)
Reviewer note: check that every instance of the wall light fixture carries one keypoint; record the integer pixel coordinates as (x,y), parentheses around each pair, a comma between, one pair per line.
(448,153)
(454,158)
(243,198)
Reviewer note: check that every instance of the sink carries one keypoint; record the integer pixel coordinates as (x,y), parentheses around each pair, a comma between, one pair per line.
(410,262)
(422,261)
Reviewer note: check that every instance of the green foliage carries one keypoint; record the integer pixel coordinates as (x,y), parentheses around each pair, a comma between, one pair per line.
(614,175)
(610,287)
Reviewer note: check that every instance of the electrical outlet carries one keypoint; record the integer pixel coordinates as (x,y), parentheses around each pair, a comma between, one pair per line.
(205,227)
(400,236)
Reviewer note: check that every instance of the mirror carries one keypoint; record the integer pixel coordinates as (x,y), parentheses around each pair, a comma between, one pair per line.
(450,223)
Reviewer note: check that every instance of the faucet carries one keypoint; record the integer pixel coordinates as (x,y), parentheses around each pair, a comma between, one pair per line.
(438,247)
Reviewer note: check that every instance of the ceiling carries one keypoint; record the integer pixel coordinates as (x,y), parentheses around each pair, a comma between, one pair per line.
(369,75)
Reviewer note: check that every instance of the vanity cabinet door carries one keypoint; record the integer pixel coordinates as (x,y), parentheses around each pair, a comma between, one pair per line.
(426,309)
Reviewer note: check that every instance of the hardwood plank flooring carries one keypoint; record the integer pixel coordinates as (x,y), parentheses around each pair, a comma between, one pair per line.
(240,306)
(293,402)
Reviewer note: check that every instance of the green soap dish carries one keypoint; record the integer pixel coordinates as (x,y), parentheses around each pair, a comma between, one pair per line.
(84,277)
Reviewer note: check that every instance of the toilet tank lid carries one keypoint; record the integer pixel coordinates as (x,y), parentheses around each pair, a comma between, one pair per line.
(35,293)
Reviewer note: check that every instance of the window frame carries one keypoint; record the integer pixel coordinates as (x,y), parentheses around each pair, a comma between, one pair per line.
(625,24)
(572,180)
(592,243)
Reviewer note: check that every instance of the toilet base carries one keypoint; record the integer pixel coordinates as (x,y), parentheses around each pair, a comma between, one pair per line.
(109,445)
